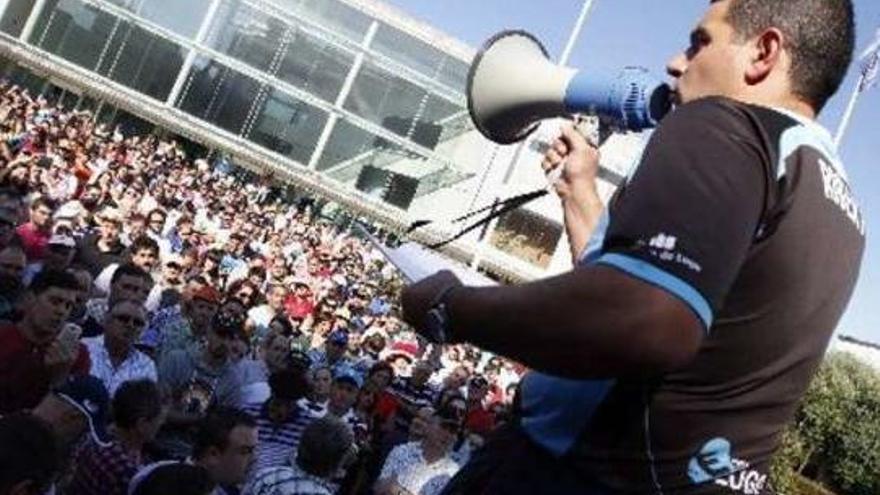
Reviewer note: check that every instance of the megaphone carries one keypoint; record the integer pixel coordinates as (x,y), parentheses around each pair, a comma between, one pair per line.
(512,85)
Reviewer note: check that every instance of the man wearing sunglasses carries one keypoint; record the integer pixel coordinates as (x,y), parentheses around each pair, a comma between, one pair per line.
(114,357)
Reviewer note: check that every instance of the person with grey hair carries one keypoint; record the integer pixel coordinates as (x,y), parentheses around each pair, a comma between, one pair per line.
(326,447)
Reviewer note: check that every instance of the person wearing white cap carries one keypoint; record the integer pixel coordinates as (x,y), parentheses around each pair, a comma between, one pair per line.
(59,255)
(95,252)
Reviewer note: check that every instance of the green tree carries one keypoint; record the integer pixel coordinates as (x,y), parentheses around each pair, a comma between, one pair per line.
(835,438)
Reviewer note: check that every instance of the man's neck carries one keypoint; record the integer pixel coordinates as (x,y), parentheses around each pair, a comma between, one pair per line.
(105,245)
(131,441)
(337,411)
(118,351)
(211,361)
(792,105)
(26,330)
(432,452)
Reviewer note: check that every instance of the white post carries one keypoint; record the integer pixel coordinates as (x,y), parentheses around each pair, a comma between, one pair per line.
(191,56)
(575,32)
(342,96)
(848,113)
(31,23)
(563,60)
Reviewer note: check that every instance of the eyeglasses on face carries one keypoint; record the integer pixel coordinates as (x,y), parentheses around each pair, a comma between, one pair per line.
(12,267)
(130,320)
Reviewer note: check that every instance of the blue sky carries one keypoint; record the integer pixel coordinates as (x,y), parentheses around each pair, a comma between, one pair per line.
(647,33)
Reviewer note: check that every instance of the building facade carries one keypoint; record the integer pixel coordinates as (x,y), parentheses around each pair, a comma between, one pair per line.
(351,99)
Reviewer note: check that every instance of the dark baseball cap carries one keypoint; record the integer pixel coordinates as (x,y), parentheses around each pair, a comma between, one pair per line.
(88,395)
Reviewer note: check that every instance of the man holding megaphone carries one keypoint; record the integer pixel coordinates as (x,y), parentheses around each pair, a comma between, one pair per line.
(671,358)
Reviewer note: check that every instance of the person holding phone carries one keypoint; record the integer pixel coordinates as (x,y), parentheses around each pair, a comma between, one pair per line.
(41,350)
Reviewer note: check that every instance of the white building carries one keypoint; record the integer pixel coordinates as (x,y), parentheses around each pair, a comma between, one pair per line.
(350,99)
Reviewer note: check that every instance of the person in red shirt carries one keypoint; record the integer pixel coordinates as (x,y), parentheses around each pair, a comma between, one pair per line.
(40,350)
(479,419)
(35,233)
(300,304)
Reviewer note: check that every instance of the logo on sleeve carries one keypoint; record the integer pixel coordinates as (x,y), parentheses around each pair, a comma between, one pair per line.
(663,241)
(664,246)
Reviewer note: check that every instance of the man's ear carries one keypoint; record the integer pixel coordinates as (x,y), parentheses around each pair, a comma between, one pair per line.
(767,51)
(26,300)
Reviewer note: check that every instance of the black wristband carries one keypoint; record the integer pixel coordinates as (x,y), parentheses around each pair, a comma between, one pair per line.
(441,299)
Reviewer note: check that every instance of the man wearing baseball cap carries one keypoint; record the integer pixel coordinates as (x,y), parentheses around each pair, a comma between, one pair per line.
(347,384)
(59,255)
(333,356)
(198,379)
(183,326)
(79,405)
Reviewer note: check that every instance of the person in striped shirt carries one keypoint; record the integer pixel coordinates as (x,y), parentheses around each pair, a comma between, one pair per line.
(346,386)
(327,447)
(279,419)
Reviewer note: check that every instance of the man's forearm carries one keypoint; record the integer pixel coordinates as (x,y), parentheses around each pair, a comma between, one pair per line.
(581,216)
(594,322)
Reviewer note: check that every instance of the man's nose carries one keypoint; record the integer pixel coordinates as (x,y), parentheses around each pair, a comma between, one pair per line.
(677,66)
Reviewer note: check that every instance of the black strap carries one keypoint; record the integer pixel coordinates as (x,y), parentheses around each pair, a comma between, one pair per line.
(496,209)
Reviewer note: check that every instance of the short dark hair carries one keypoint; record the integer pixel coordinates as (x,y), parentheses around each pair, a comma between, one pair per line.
(215,428)
(288,385)
(130,270)
(178,478)
(156,211)
(143,242)
(43,201)
(820,36)
(325,444)
(135,400)
(50,278)
(28,452)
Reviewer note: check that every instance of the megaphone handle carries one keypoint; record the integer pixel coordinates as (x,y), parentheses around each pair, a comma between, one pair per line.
(593,129)
(596,135)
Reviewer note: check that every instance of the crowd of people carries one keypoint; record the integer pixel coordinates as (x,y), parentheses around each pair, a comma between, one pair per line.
(169,328)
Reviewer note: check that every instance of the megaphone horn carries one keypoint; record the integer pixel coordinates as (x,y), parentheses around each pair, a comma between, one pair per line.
(512,85)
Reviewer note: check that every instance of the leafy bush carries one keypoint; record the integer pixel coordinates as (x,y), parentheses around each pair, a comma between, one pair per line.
(835,438)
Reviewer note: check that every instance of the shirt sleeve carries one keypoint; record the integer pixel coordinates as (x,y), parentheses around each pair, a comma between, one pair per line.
(687,218)
(83,363)
(392,464)
(175,371)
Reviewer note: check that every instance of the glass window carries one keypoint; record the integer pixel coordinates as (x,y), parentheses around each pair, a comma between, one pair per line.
(143,61)
(400,106)
(453,74)
(15,15)
(130,125)
(246,34)
(314,66)
(332,15)
(74,31)
(385,99)
(288,126)
(528,236)
(219,95)
(408,50)
(432,121)
(346,142)
(183,17)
